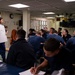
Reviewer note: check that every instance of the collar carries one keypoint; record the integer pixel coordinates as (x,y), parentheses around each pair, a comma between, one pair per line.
(21,39)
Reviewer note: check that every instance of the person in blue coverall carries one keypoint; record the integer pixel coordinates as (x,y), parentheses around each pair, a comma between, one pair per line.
(37,42)
(56,36)
(71,46)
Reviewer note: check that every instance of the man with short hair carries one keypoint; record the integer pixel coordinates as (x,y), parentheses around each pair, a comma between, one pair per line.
(21,53)
(56,57)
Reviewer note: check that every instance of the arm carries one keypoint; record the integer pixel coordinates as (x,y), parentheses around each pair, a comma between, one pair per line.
(11,56)
(43,64)
(34,70)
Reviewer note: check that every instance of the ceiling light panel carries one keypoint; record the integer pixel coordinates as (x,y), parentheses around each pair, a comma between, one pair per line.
(18,5)
(49,13)
(69,0)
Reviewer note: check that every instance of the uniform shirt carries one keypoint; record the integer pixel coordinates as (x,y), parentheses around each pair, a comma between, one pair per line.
(71,46)
(3,37)
(71,43)
(36,41)
(44,36)
(66,38)
(56,36)
(59,33)
(61,60)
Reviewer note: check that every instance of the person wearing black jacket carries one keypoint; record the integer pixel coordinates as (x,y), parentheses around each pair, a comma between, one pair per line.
(21,53)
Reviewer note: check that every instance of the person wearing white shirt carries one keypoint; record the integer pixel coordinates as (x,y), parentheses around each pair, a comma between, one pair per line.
(3,39)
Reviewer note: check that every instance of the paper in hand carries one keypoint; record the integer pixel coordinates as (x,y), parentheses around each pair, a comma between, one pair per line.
(27,72)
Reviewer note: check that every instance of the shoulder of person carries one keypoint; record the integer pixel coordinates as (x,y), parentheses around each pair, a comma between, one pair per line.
(2,26)
(64,48)
(66,51)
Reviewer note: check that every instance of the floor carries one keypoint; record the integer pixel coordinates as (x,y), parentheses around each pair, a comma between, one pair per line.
(5,55)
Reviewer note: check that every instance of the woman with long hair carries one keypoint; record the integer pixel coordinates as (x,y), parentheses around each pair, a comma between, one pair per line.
(13,36)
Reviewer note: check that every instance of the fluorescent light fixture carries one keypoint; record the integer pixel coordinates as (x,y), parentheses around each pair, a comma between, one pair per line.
(49,13)
(69,0)
(50,17)
(60,16)
(18,5)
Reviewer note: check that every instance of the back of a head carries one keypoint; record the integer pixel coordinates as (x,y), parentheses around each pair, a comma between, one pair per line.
(43,31)
(55,31)
(21,33)
(30,29)
(38,33)
(51,45)
(60,29)
(13,34)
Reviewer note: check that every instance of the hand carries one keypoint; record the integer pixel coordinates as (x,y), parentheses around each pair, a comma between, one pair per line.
(34,70)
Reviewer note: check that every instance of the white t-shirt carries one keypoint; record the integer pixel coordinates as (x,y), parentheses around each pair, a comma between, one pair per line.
(3,37)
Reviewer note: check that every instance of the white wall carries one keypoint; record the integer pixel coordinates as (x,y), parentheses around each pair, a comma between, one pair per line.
(11,23)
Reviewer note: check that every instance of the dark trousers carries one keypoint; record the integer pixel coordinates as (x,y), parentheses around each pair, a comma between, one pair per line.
(2,51)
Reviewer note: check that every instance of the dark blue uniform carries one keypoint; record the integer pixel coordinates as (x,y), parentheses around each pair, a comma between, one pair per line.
(61,60)
(71,46)
(36,41)
(2,51)
(59,38)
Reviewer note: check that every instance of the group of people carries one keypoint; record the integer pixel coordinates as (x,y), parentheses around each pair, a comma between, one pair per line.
(56,48)
(66,50)
(53,46)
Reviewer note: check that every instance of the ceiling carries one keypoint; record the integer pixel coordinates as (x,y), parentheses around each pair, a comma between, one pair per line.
(37,7)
